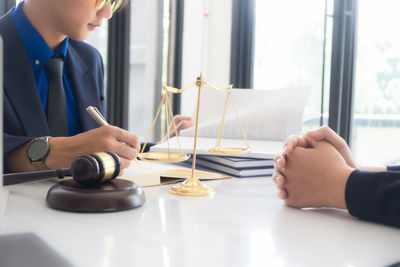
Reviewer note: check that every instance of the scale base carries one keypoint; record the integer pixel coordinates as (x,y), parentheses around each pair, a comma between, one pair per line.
(191,187)
(115,195)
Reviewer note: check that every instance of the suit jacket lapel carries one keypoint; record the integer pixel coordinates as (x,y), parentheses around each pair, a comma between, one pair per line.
(84,86)
(21,89)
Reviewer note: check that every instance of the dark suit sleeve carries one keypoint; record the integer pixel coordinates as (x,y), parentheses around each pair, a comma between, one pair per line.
(393,168)
(148,146)
(9,143)
(374,196)
(100,78)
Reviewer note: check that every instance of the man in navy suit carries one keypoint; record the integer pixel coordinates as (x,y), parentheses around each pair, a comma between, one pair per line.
(34,32)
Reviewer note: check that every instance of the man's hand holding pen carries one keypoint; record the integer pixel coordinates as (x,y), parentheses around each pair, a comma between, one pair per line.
(124,143)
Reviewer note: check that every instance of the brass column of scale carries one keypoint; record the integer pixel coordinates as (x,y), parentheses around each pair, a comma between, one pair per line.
(192,186)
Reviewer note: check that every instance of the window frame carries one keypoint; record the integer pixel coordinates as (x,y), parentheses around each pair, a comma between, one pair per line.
(342,64)
(342,67)
(118,55)
(242,44)
(174,78)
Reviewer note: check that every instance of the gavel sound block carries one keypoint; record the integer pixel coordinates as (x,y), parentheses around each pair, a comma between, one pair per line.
(93,187)
(114,195)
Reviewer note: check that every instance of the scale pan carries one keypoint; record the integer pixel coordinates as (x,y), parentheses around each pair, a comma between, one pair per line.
(164,156)
(229,150)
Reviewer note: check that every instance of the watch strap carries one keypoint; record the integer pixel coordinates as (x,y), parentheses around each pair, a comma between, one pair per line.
(40,165)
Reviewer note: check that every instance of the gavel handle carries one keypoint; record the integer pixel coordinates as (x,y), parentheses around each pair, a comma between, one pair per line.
(23,177)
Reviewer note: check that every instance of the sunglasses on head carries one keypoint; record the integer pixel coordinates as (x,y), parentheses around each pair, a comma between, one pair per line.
(115,4)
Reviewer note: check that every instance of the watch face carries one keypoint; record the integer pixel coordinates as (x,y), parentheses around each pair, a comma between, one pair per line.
(38,150)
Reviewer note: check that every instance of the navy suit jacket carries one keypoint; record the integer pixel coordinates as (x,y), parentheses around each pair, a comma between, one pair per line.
(24,117)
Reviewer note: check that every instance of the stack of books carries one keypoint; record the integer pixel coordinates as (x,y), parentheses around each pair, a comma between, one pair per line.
(235,166)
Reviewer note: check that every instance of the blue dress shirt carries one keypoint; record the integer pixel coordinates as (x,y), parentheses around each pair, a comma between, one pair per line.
(39,53)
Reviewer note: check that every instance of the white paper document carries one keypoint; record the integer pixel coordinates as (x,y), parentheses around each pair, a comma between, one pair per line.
(268,117)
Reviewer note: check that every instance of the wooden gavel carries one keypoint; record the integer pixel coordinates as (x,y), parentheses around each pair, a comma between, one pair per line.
(87,170)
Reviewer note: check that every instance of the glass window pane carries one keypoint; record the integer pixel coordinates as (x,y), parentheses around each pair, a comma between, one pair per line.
(376,115)
(99,39)
(145,66)
(293,48)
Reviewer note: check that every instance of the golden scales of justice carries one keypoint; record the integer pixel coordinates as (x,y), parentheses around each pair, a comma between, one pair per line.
(192,186)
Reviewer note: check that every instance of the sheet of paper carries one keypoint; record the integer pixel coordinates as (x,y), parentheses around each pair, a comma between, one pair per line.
(146,173)
(271,114)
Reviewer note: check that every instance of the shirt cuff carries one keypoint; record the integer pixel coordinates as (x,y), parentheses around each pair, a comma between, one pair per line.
(148,145)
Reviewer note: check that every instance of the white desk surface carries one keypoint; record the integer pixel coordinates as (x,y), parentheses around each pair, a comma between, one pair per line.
(243,224)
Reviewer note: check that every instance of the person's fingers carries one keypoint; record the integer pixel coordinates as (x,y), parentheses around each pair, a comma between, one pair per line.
(121,172)
(178,118)
(302,141)
(309,140)
(179,127)
(279,167)
(125,163)
(290,144)
(280,163)
(119,141)
(280,181)
(325,134)
(321,133)
(185,125)
(172,129)
(276,157)
(282,194)
(274,175)
(126,151)
(127,138)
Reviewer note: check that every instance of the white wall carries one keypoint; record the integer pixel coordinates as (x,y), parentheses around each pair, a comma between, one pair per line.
(206,46)
(143,66)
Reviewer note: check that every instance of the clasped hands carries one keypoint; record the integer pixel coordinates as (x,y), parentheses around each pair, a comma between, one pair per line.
(313,169)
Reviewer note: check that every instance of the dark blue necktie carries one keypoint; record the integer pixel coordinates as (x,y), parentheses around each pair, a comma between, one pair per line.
(56,102)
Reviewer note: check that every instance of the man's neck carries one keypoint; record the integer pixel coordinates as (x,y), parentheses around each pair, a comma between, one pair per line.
(42,21)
